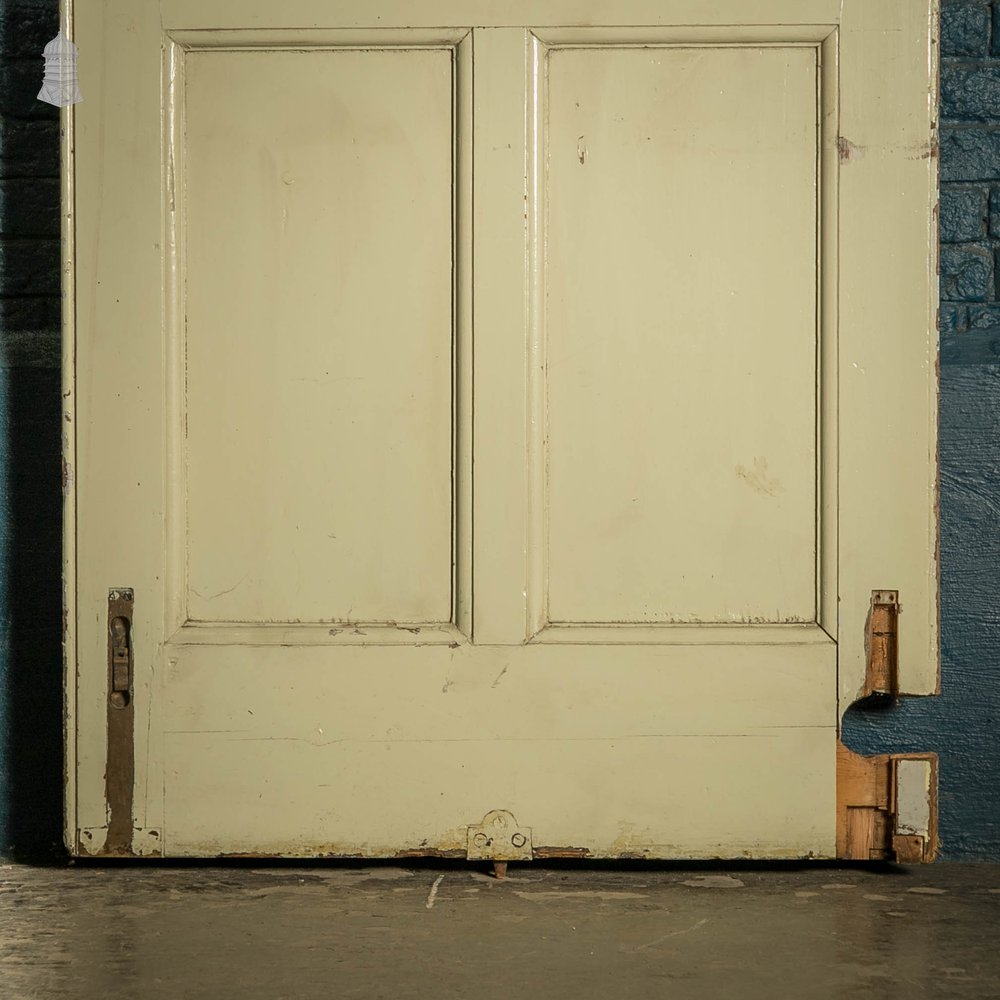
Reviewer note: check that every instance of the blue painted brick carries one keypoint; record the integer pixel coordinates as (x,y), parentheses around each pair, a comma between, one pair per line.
(963,214)
(29,267)
(29,207)
(20,81)
(30,312)
(995,41)
(965,29)
(984,317)
(29,148)
(970,93)
(966,273)
(972,348)
(953,318)
(970,154)
(26,26)
(995,212)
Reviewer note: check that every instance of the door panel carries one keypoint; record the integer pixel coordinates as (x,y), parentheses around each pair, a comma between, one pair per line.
(680,356)
(317,218)
(390,749)
(483,389)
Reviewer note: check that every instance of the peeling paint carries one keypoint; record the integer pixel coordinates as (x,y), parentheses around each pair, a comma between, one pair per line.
(926,151)
(236,855)
(848,151)
(425,852)
(541,853)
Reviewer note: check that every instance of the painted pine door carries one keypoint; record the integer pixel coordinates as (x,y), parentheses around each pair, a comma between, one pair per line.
(491,407)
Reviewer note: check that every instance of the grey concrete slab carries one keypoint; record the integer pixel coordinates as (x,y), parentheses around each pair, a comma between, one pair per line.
(381,931)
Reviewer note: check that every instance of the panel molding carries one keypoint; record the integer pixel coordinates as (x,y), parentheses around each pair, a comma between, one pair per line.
(236,39)
(824,39)
(176,46)
(312,634)
(682,36)
(667,634)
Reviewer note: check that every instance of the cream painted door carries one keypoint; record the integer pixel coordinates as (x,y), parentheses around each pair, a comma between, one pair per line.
(492,407)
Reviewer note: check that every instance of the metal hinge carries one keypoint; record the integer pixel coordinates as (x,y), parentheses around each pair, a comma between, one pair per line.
(499,839)
(120,664)
(119,773)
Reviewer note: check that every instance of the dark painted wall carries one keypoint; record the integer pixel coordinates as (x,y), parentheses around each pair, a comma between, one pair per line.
(962,725)
(30,493)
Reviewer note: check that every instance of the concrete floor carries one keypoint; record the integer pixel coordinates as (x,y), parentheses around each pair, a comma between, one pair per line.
(334,931)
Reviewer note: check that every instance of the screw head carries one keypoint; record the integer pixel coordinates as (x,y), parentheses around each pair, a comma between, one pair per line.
(518,840)
(481,840)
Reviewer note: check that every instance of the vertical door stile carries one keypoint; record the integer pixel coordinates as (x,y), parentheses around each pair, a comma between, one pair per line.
(501,307)
(537,500)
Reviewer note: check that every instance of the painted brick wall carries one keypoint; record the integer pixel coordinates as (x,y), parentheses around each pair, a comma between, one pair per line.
(30,498)
(962,725)
(970,172)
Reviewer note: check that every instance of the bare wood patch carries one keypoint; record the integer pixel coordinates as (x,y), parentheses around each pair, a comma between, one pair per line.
(542,853)
(882,644)
(869,823)
(849,151)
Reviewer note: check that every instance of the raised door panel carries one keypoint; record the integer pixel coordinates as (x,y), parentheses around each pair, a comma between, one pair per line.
(316,287)
(681,333)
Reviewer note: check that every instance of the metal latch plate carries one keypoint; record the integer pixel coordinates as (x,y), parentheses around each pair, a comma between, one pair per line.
(499,838)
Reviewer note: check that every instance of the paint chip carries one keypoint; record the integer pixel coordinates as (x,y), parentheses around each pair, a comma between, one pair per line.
(927,890)
(875,897)
(848,150)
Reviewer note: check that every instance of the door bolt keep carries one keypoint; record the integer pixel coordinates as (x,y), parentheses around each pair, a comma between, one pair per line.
(499,839)
(120,603)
